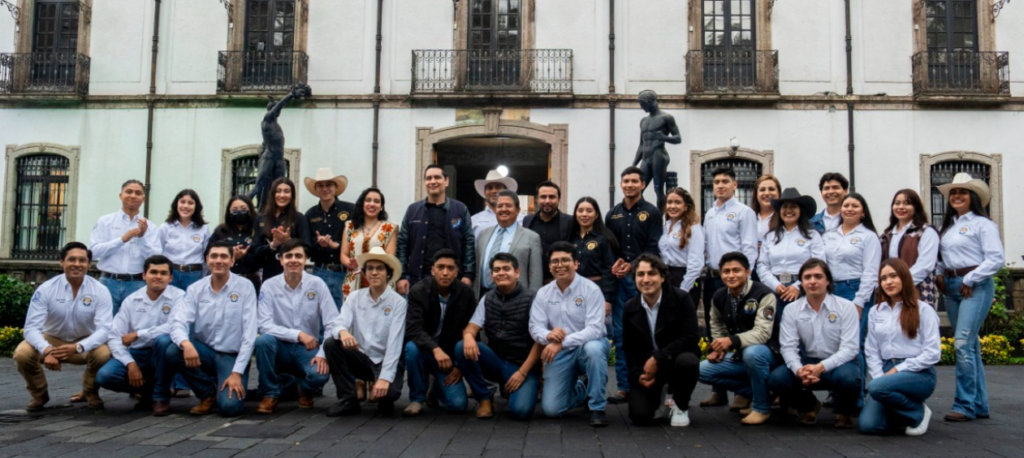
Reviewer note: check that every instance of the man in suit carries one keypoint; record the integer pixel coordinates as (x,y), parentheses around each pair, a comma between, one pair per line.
(509,237)
(549,222)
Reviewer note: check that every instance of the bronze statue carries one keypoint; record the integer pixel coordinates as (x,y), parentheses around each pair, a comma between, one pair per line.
(655,130)
(271,163)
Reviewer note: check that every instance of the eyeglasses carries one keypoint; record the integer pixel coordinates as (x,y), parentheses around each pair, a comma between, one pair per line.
(560,261)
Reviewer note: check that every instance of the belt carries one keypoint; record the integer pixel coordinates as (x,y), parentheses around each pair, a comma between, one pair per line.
(677,269)
(187,267)
(121,277)
(951,273)
(331,267)
(786,278)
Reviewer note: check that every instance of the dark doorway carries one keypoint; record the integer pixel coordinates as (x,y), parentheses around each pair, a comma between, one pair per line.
(469,159)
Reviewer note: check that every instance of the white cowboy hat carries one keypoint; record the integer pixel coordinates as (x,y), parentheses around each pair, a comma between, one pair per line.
(965,181)
(494,177)
(378,254)
(325,174)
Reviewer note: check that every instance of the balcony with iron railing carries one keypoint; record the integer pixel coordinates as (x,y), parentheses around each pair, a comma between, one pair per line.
(261,71)
(527,72)
(53,73)
(739,74)
(961,76)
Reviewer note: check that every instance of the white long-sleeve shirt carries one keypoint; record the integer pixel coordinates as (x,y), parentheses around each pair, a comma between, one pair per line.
(927,252)
(57,312)
(691,257)
(731,227)
(972,240)
(149,318)
(854,255)
(787,256)
(183,244)
(115,256)
(225,320)
(831,334)
(285,312)
(886,340)
(378,327)
(579,310)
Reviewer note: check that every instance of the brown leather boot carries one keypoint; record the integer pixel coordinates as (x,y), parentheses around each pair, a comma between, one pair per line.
(305,401)
(161,408)
(94,401)
(739,403)
(485,411)
(267,406)
(844,421)
(716,399)
(36,404)
(205,407)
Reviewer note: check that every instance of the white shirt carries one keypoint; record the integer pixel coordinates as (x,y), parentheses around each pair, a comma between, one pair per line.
(505,246)
(183,245)
(763,225)
(579,310)
(731,227)
(378,327)
(856,254)
(118,257)
(285,312)
(225,320)
(831,334)
(972,240)
(150,319)
(886,340)
(55,311)
(691,257)
(831,221)
(486,219)
(652,316)
(927,252)
(788,255)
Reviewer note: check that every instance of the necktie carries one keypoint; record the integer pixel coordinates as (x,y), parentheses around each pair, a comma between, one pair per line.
(499,235)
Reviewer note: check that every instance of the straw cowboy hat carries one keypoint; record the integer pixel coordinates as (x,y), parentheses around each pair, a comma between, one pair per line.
(378,254)
(965,181)
(808,206)
(494,177)
(325,174)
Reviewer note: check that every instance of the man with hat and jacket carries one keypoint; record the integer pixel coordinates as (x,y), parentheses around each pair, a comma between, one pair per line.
(327,228)
(488,188)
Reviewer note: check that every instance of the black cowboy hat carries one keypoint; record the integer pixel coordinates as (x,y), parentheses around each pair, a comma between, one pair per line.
(807,204)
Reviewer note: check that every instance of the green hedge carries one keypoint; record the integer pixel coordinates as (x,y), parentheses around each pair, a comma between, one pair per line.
(9,340)
(14,298)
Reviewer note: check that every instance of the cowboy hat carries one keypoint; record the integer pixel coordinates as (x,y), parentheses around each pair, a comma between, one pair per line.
(965,181)
(378,254)
(325,174)
(494,177)
(807,204)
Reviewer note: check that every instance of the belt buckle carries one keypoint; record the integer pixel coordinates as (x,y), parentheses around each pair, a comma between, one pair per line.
(786,278)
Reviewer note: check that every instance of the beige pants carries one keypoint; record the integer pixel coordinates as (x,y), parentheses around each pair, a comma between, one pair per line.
(30,365)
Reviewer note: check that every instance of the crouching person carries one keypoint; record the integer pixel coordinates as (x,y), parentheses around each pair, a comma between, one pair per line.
(510,357)
(368,343)
(293,307)
(214,358)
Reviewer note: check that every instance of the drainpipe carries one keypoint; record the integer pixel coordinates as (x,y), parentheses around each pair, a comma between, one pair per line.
(376,91)
(850,147)
(611,103)
(150,105)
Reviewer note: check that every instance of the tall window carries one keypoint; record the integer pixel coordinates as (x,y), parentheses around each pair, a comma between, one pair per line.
(943,172)
(54,43)
(244,171)
(746,174)
(729,43)
(40,221)
(269,42)
(952,41)
(494,42)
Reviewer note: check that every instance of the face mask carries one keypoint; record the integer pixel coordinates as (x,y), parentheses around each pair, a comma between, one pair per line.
(240,217)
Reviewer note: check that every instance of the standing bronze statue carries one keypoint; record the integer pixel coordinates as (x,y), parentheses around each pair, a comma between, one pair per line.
(271,163)
(655,130)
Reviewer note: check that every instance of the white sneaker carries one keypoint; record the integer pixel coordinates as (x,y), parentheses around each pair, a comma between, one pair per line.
(919,430)
(665,410)
(680,418)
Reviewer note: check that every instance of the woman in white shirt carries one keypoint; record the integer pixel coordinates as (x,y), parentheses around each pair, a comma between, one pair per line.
(853,252)
(910,238)
(788,245)
(682,242)
(901,351)
(766,188)
(183,238)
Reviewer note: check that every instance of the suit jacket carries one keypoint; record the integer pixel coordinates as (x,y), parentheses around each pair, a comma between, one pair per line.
(526,247)
(675,331)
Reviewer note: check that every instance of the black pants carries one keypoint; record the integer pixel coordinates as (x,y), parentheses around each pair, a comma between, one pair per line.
(348,365)
(681,377)
(675,278)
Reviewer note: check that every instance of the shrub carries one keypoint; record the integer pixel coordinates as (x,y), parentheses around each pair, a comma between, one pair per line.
(14,298)
(995,350)
(9,339)
(948,352)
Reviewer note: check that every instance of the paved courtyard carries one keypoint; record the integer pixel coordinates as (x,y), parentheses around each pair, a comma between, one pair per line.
(75,431)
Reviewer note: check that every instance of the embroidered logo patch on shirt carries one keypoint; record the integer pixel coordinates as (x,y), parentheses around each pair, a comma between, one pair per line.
(387,311)
(196,238)
(87,301)
(37,297)
(456,222)
(964,230)
(642,216)
(592,245)
(854,241)
(579,301)
(750,307)
(343,216)
(730,216)
(166,309)
(233,296)
(618,216)
(801,242)
(310,295)
(769,313)
(832,317)
(677,235)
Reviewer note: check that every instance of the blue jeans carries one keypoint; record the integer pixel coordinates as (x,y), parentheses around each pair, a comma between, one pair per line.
(896,401)
(119,290)
(844,382)
(421,366)
(966,315)
(183,280)
(114,375)
(747,377)
(563,389)
(334,281)
(847,289)
(286,364)
(206,380)
(626,291)
(489,366)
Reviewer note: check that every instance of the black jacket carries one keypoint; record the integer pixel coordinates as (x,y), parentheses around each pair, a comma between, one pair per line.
(564,219)
(424,312)
(676,330)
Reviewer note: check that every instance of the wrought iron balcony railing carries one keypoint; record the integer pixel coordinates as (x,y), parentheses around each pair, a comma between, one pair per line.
(261,71)
(44,72)
(735,71)
(520,71)
(940,73)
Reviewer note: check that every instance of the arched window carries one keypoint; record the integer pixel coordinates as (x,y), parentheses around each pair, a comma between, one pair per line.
(244,171)
(39,200)
(939,169)
(240,167)
(747,172)
(943,173)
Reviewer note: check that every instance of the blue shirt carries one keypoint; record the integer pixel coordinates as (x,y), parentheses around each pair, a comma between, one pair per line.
(506,234)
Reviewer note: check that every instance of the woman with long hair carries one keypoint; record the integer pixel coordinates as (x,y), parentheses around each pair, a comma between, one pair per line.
(238,229)
(279,222)
(368,228)
(682,242)
(792,241)
(971,253)
(766,188)
(183,238)
(853,252)
(901,350)
(910,238)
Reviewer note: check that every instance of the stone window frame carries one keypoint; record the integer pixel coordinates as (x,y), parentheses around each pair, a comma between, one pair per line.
(699,157)
(236,26)
(460,39)
(228,155)
(25,26)
(762,34)
(15,152)
(995,180)
(986,26)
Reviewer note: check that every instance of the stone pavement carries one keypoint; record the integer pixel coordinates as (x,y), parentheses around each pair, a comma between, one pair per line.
(74,431)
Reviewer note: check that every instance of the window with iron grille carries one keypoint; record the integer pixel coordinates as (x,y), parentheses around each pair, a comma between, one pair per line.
(729,42)
(40,212)
(244,171)
(747,173)
(943,173)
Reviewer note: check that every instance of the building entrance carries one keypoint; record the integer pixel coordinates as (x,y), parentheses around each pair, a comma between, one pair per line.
(469,159)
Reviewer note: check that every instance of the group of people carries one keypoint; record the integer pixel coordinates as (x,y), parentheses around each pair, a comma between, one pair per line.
(794,301)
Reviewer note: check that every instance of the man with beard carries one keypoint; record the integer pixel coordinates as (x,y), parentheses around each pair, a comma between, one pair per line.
(508,237)
(488,188)
(549,222)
